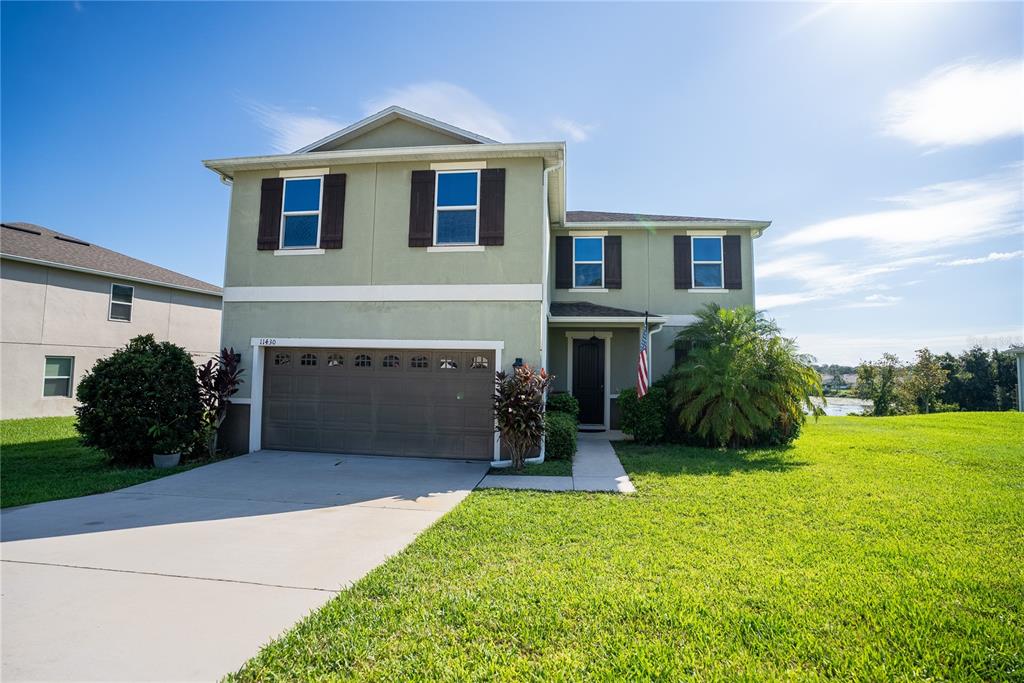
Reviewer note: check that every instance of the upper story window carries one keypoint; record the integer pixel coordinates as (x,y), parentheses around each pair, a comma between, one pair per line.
(588,262)
(707,262)
(121,300)
(300,217)
(456,213)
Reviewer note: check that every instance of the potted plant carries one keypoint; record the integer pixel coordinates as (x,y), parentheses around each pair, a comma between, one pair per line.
(167,444)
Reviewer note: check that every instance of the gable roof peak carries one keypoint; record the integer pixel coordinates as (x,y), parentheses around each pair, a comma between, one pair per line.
(387,115)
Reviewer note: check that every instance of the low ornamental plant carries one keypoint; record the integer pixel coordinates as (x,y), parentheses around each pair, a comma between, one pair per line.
(644,418)
(145,383)
(559,435)
(564,402)
(219,379)
(519,410)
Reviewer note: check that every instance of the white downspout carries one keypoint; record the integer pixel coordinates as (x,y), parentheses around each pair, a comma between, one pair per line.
(545,249)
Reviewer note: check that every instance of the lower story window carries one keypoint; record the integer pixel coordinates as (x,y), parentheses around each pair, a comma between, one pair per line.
(57,375)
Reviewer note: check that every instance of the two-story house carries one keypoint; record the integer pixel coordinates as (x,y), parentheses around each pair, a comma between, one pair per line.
(65,303)
(377,278)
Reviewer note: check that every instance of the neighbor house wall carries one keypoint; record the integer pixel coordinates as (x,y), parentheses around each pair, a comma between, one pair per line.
(49,311)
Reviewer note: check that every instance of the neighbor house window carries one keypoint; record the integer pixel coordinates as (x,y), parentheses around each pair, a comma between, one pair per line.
(456,216)
(57,375)
(588,262)
(707,262)
(300,220)
(121,298)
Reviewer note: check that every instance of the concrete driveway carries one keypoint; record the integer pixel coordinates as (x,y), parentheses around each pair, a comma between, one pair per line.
(184,578)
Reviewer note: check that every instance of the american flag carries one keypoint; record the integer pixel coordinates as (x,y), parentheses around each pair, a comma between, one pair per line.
(642,367)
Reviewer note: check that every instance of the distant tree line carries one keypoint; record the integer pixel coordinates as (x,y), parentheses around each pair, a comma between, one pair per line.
(974,380)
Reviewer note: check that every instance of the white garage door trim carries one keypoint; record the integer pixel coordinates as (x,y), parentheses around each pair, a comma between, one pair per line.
(259,344)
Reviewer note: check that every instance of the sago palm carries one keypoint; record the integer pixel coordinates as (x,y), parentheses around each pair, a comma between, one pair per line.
(740,377)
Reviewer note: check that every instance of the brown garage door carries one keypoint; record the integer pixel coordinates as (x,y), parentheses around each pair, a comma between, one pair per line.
(379,401)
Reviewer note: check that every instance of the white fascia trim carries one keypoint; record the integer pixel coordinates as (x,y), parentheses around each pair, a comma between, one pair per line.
(706,233)
(548,150)
(520,292)
(104,273)
(680,320)
(299,252)
(303,172)
(658,225)
(456,249)
(588,233)
(458,165)
(598,320)
(390,114)
(316,343)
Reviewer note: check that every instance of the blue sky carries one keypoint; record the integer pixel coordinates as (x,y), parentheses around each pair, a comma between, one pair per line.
(883,140)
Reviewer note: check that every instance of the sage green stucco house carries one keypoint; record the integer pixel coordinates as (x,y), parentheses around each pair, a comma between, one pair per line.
(377,278)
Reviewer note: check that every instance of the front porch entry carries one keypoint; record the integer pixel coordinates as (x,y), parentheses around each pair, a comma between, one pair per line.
(588,379)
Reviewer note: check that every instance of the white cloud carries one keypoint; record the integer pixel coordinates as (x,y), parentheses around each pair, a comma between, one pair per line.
(773,301)
(929,218)
(577,132)
(290,131)
(994,256)
(959,104)
(876,301)
(449,103)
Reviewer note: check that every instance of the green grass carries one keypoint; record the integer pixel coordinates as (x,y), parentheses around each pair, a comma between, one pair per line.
(548,468)
(41,459)
(875,549)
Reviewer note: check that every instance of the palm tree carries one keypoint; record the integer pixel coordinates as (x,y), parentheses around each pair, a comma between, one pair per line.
(740,378)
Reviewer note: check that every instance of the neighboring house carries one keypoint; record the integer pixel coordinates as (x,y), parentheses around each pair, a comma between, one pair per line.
(1018,351)
(65,303)
(377,278)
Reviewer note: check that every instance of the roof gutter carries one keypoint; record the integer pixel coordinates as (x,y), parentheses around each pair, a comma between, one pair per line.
(104,273)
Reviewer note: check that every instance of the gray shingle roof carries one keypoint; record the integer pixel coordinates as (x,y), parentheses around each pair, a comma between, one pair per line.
(585,309)
(613,217)
(30,241)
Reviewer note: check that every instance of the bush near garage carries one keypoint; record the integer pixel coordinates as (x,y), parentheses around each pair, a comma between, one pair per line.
(564,403)
(559,435)
(145,383)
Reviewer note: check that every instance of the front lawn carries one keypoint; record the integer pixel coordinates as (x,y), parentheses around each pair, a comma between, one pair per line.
(876,548)
(41,459)
(548,468)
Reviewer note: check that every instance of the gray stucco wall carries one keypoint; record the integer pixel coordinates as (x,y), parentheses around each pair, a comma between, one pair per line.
(55,312)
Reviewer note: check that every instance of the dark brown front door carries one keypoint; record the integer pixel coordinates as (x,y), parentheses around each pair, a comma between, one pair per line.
(588,379)
(423,402)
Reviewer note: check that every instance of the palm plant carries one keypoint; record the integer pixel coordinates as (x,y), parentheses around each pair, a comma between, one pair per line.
(741,379)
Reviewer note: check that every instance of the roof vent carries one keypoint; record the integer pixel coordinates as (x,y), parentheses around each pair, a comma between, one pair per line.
(72,240)
(21,229)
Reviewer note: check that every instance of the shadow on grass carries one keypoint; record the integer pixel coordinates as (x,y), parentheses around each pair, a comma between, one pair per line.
(675,459)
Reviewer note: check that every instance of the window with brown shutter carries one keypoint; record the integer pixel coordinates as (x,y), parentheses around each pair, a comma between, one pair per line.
(271,196)
(613,262)
(421,209)
(333,226)
(733,262)
(563,262)
(492,206)
(681,259)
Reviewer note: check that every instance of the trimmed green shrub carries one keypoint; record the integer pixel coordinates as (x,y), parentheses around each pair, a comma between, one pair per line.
(144,384)
(559,436)
(644,418)
(564,402)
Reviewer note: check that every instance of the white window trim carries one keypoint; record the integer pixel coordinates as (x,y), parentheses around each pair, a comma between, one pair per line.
(284,214)
(440,249)
(720,263)
(474,207)
(70,378)
(299,251)
(584,288)
(130,305)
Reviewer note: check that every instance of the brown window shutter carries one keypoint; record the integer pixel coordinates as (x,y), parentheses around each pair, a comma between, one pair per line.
(563,263)
(492,206)
(332,226)
(683,270)
(613,262)
(421,209)
(271,196)
(733,262)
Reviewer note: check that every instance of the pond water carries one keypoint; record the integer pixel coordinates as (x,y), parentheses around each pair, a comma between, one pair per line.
(839,406)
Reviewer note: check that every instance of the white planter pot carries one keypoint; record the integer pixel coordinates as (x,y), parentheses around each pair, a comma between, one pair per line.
(164,460)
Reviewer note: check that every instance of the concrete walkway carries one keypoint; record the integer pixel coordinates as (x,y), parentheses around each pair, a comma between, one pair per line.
(594,468)
(185,577)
